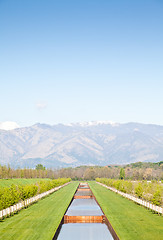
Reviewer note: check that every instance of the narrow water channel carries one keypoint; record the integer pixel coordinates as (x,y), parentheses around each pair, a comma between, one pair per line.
(84,231)
(84,219)
(84,207)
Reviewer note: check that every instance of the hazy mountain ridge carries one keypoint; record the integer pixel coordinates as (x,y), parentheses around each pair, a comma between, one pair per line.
(93,143)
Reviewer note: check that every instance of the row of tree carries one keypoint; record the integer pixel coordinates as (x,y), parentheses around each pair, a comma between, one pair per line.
(15,193)
(148,190)
(137,171)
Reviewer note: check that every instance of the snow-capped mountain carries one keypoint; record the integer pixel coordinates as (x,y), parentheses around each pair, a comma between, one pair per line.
(92,143)
(8,125)
(93,123)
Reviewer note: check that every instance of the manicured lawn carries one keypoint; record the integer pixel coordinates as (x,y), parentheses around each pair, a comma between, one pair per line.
(41,220)
(20,181)
(129,220)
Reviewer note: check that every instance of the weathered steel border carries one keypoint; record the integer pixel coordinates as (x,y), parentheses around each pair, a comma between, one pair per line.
(106,221)
(86,219)
(62,220)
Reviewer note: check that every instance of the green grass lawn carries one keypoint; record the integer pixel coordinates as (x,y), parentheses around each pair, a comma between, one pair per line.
(41,220)
(129,220)
(20,181)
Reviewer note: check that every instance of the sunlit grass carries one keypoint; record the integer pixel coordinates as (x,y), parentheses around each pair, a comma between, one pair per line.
(41,220)
(129,220)
(20,181)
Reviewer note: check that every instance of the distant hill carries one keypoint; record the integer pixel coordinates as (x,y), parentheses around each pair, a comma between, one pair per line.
(93,143)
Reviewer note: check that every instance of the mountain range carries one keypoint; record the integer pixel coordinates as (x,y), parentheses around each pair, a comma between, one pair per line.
(90,143)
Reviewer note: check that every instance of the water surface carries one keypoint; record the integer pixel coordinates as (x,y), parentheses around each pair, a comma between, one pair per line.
(83,193)
(84,231)
(84,207)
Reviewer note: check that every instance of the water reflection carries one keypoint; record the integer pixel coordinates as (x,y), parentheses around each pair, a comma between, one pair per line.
(84,207)
(84,231)
(83,193)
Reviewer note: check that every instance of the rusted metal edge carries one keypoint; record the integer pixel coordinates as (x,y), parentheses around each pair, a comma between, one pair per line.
(58,229)
(62,220)
(111,229)
(84,219)
(106,221)
(83,197)
(83,189)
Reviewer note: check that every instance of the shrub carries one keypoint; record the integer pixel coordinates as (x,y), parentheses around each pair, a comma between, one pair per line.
(13,194)
(157,198)
(142,189)
(139,190)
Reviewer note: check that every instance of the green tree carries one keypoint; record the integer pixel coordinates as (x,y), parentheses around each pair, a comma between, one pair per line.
(139,190)
(122,173)
(40,167)
(89,174)
(157,198)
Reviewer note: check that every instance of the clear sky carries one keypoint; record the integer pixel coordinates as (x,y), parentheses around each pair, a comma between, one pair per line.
(72,61)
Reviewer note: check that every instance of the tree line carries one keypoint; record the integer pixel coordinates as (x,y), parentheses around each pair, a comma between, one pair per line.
(134,171)
(16,193)
(150,191)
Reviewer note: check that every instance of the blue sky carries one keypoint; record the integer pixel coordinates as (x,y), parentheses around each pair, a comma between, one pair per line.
(73,61)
